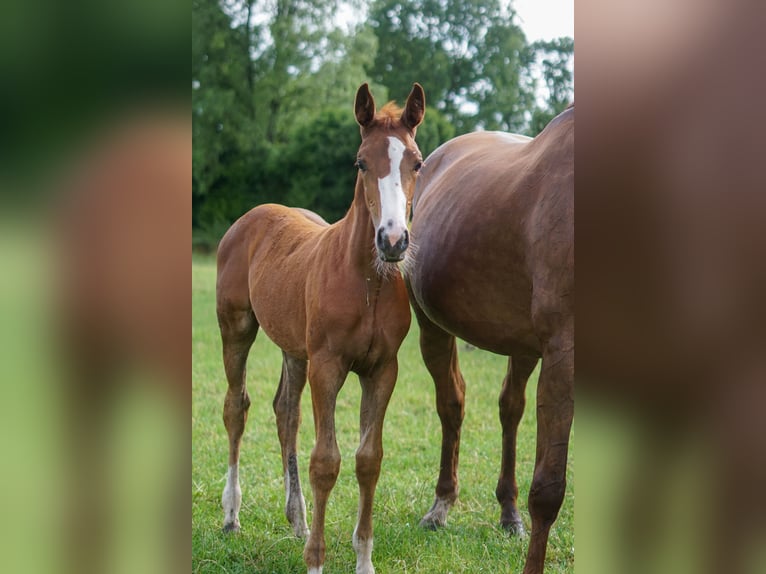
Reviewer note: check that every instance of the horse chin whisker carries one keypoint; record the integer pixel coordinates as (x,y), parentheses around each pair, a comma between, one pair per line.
(407,265)
(384,269)
(389,269)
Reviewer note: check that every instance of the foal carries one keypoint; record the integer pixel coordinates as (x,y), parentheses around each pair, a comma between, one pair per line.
(332,298)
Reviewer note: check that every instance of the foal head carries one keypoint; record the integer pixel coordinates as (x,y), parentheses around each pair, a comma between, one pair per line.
(388,162)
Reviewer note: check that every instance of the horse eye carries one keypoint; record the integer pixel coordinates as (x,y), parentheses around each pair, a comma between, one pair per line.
(360,163)
(417,166)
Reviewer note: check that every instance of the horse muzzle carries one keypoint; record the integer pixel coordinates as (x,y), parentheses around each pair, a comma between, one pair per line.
(390,245)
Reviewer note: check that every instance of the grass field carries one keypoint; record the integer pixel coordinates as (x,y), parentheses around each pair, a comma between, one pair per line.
(472,542)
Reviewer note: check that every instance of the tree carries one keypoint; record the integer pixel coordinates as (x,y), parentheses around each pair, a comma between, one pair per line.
(222,174)
(468,54)
(473,60)
(556,62)
(273,84)
(316,168)
(506,92)
(434,131)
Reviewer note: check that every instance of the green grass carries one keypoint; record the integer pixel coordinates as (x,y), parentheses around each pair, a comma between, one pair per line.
(472,542)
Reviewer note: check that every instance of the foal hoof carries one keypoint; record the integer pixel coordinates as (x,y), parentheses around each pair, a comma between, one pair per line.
(231,527)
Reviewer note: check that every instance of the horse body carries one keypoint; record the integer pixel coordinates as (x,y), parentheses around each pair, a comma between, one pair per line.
(280,244)
(493,218)
(332,298)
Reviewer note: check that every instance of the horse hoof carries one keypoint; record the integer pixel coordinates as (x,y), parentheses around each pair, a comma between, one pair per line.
(437,516)
(430,524)
(232,527)
(514,528)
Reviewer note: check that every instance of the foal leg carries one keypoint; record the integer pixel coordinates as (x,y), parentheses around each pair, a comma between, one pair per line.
(326,378)
(512,403)
(376,392)
(238,331)
(555,409)
(439,353)
(287,408)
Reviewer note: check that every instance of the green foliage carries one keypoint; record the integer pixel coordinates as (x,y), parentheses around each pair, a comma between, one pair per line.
(316,167)
(472,60)
(506,91)
(555,58)
(273,88)
(434,131)
(222,171)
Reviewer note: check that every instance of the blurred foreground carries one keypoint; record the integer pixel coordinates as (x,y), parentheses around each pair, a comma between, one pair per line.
(95,215)
(95,334)
(95,180)
(671,277)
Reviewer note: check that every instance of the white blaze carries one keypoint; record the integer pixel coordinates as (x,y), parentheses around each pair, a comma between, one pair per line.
(393,202)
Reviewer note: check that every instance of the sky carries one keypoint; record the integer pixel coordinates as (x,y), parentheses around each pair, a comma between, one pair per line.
(545,19)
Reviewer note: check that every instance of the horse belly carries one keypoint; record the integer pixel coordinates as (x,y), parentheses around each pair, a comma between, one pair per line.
(277,297)
(485,315)
(472,277)
(477,293)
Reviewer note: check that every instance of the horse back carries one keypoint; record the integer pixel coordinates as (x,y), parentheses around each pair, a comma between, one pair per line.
(263,264)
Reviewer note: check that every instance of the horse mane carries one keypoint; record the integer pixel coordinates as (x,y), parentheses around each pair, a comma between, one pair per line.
(388,114)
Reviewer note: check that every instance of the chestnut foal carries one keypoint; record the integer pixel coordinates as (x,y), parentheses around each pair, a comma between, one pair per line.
(333,299)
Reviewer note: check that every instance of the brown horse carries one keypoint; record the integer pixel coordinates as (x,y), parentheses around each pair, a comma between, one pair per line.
(493,220)
(332,298)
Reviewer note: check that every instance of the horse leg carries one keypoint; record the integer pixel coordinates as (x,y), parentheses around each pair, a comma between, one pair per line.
(238,331)
(439,353)
(326,378)
(287,408)
(376,392)
(555,409)
(511,404)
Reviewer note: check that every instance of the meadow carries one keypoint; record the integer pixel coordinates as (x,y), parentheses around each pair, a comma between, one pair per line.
(472,541)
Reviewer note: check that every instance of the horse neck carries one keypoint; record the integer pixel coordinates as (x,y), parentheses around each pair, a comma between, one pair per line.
(359,233)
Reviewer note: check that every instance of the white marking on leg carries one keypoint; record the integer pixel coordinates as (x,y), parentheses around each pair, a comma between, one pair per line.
(363,550)
(232,498)
(317,570)
(393,202)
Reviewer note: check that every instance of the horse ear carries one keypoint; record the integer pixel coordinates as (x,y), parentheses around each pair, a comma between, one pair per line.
(416,107)
(364,106)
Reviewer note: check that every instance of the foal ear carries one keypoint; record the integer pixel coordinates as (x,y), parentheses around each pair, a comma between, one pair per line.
(416,107)
(364,106)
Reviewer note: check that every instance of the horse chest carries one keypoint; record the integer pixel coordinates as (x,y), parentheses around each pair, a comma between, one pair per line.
(366,326)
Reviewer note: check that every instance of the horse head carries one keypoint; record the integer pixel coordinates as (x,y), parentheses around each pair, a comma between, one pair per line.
(389,160)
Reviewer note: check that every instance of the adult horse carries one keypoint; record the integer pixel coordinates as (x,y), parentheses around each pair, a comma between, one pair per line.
(332,298)
(493,220)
